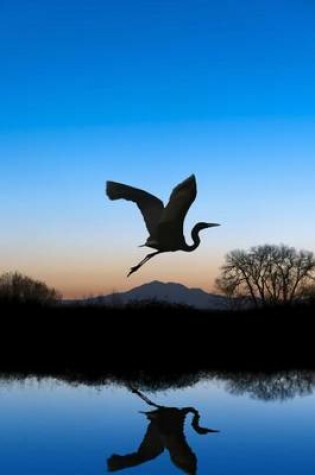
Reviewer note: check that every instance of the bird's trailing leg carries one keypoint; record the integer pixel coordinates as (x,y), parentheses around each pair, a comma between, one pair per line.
(143,397)
(146,259)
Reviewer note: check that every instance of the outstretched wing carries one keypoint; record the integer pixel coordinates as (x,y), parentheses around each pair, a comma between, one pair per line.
(172,220)
(150,206)
(150,448)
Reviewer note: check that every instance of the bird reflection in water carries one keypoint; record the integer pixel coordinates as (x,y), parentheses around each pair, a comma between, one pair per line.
(165,431)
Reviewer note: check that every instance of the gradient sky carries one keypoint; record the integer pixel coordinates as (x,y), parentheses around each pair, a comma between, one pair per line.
(146,93)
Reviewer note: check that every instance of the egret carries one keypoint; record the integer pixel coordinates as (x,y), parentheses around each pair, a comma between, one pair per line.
(165,224)
(166,430)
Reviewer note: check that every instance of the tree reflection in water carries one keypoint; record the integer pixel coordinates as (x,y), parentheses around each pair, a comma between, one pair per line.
(269,387)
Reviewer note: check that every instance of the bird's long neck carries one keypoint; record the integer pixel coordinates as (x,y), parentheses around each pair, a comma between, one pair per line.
(195,420)
(195,237)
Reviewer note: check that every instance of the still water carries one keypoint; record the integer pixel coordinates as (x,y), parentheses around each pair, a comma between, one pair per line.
(266,426)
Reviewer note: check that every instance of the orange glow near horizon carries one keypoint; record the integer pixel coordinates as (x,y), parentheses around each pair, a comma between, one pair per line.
(82,279)
(98,281)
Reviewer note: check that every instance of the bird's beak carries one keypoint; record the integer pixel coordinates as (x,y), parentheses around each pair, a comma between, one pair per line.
(212,225)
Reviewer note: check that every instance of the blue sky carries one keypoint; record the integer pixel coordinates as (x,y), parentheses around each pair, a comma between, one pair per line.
(147,93)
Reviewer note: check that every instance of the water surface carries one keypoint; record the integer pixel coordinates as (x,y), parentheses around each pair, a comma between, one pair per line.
(267,425)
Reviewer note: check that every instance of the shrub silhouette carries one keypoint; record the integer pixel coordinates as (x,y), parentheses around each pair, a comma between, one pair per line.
(16,288)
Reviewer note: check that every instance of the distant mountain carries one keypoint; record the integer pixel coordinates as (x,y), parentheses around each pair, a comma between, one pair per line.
(164,292)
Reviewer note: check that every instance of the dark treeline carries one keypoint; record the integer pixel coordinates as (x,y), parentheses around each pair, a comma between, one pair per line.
(265,385)
(96,341)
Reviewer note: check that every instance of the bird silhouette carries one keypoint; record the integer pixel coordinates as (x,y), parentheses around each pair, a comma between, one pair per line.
(165,224)
(165,431)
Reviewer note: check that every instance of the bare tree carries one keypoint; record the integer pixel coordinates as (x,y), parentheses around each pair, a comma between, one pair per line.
(309,293)
(18,288)
(267,274)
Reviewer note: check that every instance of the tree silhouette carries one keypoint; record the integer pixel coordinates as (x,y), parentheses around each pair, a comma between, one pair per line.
(271,386)
(267,274)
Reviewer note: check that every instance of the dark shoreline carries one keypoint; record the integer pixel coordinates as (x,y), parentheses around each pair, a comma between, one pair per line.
(268,386)
(153,339)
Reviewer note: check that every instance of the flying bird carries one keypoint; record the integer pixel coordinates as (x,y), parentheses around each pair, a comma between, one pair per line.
(164,224)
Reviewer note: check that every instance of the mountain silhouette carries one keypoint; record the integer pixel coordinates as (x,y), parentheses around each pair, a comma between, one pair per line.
(169,292)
